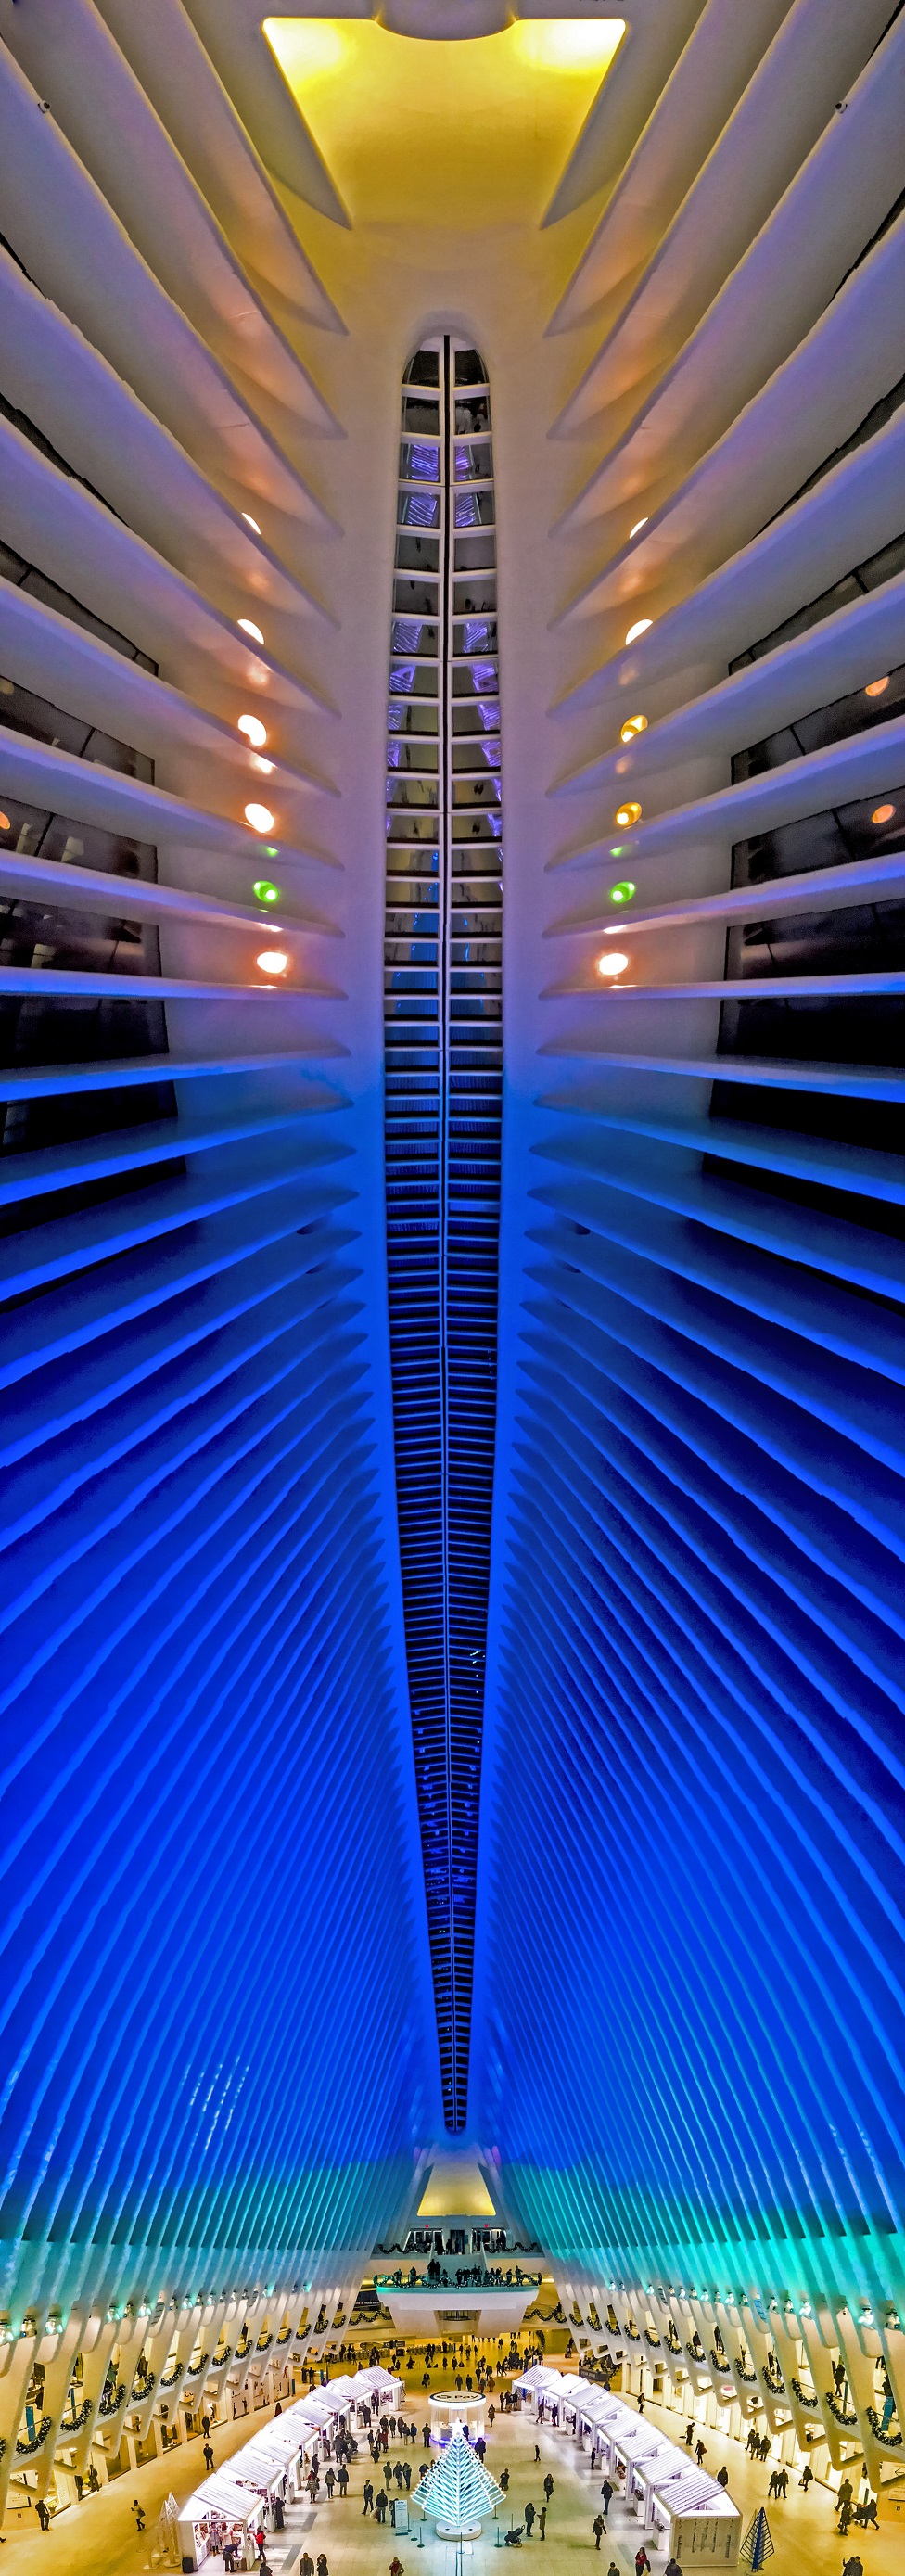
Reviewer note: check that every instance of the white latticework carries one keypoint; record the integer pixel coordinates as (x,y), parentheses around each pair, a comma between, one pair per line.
(460,2491)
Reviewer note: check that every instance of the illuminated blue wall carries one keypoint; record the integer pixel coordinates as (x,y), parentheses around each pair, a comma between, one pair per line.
(215,2051)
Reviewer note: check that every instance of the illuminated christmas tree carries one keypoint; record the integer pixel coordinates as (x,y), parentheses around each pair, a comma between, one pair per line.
(459,2491)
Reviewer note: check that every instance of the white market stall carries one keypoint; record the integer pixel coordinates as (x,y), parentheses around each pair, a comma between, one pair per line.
(693,2518)
(685,2512)
(220,2514)
(450,2407)
(263,2464)
(379,2389)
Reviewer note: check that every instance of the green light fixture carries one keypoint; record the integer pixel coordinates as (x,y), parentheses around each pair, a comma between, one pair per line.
(266,893)
(623,891)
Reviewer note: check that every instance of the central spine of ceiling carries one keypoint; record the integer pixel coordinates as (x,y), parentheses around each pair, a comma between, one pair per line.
(443,1072)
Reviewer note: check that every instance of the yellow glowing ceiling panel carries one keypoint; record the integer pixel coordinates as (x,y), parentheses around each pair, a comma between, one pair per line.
(470,133)
(456,2189)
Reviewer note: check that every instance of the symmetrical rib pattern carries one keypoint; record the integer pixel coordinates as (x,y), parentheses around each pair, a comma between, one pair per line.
(696,2067)
(203,1754)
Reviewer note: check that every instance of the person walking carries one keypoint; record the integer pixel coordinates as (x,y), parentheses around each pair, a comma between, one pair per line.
(806,2477)
(845,2515)
(782,2484)
(504,2481)
(342,2479)
(598,2528)
(542,2522)
(529,2519)
(699,2451)
(407,2474)
(330,2480)
(208,2457)
(368,2505)
(537,2450)
(395,2567)
(722,2476)
(773,2488)
(607,2492)
(138,2511)
(322,2567)
(548,2486)
(388,2474)
(642,2562)
(42,2510)
(380,2505)
(79,2487)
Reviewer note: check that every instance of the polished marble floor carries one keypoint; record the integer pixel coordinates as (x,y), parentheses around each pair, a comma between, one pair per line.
(99,2537)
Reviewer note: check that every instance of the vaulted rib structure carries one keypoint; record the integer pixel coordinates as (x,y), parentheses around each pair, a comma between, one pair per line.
(443,1087)
(345,1345)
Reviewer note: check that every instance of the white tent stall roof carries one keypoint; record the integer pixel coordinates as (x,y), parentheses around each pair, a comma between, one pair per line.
(374,2382)
(220,2494)
(693,2493)
(284,2436)
(257,2467)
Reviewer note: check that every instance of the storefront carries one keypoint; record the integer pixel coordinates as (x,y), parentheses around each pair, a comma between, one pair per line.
(221,2515)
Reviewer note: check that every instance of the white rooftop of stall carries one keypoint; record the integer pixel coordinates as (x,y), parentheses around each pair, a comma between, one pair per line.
(373,2382)
(221,2493)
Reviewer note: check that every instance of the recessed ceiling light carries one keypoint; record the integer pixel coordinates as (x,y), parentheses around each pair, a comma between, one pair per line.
(639,524)
(272,961)
(882,813)
(875,688)
(627,814)
(253,730)
(632,725)
(250,522)
(614,963)
(640,628)
(260,818)
(249,628)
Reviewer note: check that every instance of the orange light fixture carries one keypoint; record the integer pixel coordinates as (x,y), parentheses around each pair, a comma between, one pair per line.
(260,818)
(875,688)
(627,814)
(640,628)
(613,964)
(632,725)
(253,730)
(882,813)
(5,824)
(272,961)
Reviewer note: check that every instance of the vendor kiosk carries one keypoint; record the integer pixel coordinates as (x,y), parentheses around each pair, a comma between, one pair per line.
(221,2514)
(450,2407)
